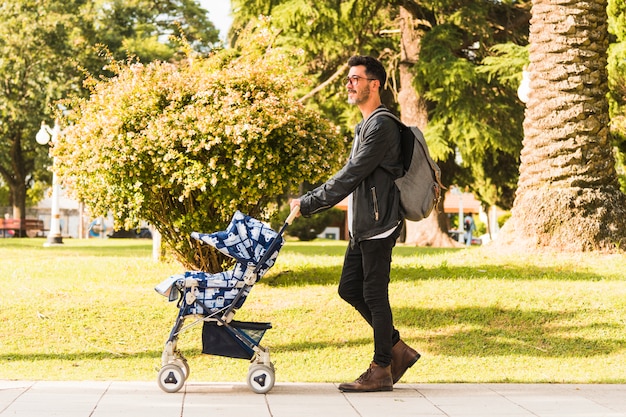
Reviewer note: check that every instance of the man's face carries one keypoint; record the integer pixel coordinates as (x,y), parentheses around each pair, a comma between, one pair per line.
(358,85)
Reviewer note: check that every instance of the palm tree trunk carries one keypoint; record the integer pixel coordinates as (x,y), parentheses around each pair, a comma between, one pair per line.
(568,196)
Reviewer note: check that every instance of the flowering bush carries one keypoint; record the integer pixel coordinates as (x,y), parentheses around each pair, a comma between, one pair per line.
(184,145)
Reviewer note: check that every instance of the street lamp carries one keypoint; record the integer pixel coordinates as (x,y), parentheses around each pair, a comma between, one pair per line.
(523,91)
(47,136)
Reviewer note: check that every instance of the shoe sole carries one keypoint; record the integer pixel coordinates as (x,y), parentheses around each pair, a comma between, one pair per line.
(367,390)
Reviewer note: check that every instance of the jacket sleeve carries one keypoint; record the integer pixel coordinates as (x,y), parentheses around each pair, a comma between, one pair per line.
(368,155)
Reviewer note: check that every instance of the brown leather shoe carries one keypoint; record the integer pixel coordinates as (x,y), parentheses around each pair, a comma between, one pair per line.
(402,358)
(376,378)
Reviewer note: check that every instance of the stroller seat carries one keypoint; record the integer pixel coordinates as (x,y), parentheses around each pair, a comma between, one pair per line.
(246,240)
(215,291)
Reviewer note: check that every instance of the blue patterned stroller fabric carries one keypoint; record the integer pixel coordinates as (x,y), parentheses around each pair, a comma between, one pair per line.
(246,240)
(215,291)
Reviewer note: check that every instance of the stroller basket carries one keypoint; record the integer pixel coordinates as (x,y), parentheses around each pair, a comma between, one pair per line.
(224,341)
(212,299)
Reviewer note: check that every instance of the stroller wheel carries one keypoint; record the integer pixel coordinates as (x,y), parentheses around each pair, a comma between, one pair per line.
(171,378)
(261,378)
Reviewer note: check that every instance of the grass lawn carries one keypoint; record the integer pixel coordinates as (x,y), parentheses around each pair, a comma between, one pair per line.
(88,310)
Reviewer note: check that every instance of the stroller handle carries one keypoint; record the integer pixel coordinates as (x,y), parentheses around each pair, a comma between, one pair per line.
(277,239)
(294,213)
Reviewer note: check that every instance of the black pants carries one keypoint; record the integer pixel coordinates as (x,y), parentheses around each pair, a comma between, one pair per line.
(364,284)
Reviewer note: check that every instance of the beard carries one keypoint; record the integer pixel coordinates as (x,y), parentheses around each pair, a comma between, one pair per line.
(357,97)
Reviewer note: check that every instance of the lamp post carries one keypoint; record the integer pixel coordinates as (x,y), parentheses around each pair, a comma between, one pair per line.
(46,136)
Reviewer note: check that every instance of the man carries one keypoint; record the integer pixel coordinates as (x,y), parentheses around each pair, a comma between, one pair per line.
(469,227)
(374,222)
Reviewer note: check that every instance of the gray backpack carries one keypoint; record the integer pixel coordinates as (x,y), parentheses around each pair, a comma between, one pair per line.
(420,186)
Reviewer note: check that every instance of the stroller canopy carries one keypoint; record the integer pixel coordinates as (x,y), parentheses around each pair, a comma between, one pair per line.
(245,239)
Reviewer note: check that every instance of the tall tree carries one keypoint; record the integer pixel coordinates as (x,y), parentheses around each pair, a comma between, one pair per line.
(34,69)
(431,231)
(327,33)
(148,29)
(435,59)
(568,196)
(442,85)
(44,45)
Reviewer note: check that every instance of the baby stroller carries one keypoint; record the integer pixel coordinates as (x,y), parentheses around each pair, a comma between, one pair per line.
(212,299)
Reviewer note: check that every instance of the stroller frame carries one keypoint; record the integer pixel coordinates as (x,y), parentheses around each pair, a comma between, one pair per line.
(261,372)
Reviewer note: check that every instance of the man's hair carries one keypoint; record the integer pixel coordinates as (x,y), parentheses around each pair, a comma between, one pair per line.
(373,67)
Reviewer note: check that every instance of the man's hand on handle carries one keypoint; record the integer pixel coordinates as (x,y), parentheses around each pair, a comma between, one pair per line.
(295,210)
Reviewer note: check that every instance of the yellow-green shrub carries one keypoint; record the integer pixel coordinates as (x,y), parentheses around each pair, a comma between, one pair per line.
(183,145)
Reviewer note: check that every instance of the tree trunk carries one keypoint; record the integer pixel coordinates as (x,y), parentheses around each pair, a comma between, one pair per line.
(15,177)
(18,193)
(568,196)
(17,189)
(412,106)
(432,231)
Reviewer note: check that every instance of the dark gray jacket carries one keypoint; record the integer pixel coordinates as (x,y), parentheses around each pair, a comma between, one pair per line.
(369,174)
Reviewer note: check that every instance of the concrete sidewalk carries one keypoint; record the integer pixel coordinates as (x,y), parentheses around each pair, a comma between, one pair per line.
(142,399)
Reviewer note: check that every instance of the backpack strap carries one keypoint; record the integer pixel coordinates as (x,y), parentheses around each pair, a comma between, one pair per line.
(386,112)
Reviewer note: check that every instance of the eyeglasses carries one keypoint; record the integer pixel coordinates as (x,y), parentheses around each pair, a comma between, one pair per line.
(354,79)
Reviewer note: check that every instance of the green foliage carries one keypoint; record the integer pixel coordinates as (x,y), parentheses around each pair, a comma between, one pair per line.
(503,218)
(36,193)
(621,169)
(616,10)
(35,67)
(44,45)
(506,64)
(148,29)
(472,112)
(617,83)
(327,32)
(183,146)
(5,197)
(307,228)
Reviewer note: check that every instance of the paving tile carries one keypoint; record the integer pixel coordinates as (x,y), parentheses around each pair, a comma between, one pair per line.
(221,399)
(49,399)
(10,391)
(138,400)
(316,400)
